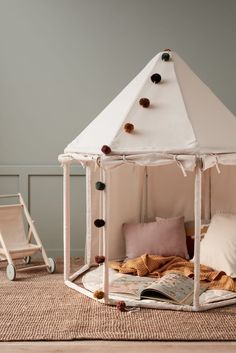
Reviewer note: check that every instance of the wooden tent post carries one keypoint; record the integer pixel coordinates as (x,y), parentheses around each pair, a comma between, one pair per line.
(105,241)
(66,219)
(101,200)
(197,223)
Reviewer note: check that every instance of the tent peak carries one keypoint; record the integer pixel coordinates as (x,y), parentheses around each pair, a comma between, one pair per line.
(165,108)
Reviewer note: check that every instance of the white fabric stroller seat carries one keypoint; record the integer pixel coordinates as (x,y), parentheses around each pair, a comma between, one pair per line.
(16,252)
(13,230)
(14,243)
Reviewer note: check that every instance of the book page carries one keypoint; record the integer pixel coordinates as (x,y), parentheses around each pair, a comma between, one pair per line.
(131,285)
(173,285)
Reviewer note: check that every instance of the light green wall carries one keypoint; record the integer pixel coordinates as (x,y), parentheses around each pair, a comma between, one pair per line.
(62,61)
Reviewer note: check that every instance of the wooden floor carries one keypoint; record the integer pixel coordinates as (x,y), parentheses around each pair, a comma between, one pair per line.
(117,347)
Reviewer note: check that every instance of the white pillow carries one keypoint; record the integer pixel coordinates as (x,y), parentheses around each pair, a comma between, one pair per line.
(218,248)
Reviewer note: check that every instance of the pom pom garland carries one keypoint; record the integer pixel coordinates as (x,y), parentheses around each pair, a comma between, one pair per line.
(144,102)
(98,294)
(100,185)
(106,149)
(156,78)
(165,57)
(129,127)
(99,259)
(99,223)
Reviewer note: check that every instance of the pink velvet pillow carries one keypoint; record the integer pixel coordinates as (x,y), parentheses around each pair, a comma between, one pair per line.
(165,237)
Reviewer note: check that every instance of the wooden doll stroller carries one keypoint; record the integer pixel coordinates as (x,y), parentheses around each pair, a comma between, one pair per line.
(14,243)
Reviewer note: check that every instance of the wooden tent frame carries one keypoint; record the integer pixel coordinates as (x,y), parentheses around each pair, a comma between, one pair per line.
(70,278)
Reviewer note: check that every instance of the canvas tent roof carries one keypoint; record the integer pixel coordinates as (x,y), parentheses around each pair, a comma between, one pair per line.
(184,116)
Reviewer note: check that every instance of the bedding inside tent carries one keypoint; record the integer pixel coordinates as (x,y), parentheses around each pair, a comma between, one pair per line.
(172,163)
(93,280)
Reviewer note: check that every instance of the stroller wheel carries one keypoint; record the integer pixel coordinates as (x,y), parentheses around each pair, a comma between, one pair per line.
(52,267)
(27,260)
(11,272)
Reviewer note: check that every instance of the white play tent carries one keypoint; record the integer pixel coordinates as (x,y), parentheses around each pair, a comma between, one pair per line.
(176,156)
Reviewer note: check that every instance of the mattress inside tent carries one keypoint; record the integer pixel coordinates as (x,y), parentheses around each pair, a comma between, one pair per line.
(93,280)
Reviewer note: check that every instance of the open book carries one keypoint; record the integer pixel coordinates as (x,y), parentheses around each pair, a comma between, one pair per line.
(172,287)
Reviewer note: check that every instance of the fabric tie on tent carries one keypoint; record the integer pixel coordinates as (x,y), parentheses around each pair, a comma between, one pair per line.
(212,160)
(186,163)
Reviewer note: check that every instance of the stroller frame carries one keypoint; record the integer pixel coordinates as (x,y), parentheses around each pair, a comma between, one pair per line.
(16,245)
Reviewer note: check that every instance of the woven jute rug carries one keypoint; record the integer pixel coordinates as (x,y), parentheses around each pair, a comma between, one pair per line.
(38,306)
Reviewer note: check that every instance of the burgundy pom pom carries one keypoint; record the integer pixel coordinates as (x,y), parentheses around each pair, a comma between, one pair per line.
(99,223)
(106,149)
(121,306)
(144,102)
(156,78)
(99,259)
(98,294)
(128,127)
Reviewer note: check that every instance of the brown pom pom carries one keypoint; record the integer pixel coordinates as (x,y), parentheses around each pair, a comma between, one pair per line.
(167,49)
(106,149)
(144,102)
(121,306)
(98,294)
(129,127)
(99,259)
